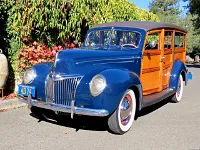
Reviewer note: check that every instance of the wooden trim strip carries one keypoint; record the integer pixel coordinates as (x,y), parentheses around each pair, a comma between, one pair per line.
(151,90)
(165,86)
(179,50)
(152,52)
(148,70)
(167,51)
(167,66)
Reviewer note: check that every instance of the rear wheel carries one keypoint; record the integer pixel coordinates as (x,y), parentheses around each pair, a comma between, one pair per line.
(122,119)
(179,92)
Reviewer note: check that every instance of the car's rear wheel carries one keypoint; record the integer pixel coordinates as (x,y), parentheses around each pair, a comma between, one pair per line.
(122,119)
(179,92)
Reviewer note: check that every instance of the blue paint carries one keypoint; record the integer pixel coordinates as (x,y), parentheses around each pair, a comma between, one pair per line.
(177,69)
(117,80)
(39,82)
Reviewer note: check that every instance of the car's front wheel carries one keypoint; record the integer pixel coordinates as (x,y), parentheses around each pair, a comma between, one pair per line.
(122,119)
(179,92)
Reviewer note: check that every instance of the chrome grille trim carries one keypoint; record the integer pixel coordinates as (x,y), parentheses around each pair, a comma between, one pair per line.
(49,86)
(63,91)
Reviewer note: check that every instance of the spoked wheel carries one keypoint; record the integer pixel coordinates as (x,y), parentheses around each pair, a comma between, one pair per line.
(179,92)
(122,119)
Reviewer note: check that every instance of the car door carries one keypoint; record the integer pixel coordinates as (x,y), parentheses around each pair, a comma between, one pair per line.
(151,68)
(167,49)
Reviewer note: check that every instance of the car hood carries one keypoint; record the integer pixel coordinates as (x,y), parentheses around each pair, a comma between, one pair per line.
(81,62)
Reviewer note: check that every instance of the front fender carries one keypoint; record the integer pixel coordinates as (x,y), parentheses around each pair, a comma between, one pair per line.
(117,80)
(41,70)
(177,69)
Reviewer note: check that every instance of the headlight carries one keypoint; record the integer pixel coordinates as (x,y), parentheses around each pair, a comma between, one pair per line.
(97,85)
(29,75)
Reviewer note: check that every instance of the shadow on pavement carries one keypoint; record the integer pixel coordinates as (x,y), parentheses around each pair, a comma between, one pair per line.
(193,66)
(150,109)
(84,122)
(78,122)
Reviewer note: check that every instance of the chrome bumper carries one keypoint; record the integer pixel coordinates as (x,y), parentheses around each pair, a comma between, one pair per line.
(67,109)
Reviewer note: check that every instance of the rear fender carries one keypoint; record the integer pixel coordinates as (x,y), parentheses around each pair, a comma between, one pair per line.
(177,69)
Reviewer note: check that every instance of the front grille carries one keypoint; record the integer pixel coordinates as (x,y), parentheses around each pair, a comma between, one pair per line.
(61,91)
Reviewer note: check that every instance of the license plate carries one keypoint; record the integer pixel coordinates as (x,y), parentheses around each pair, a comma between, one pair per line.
(26,90)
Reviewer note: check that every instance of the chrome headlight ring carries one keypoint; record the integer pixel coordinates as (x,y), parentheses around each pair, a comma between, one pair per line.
(29,76)
(97,85)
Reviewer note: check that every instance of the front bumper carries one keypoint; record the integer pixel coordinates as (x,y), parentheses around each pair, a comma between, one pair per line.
(67,109)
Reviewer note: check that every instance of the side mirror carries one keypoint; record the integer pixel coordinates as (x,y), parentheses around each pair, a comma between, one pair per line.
(152,44)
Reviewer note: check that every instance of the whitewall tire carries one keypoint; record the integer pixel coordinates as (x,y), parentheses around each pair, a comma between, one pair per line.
(122,119)
(179,92)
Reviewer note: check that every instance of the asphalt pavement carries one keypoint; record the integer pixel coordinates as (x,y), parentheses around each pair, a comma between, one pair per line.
(166,125)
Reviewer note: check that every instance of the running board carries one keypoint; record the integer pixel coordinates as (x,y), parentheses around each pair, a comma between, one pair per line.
(151,99)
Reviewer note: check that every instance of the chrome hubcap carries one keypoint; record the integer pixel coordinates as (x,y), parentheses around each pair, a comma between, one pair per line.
(126,109)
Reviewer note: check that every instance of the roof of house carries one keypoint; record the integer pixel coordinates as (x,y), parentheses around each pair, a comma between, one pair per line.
(147,26)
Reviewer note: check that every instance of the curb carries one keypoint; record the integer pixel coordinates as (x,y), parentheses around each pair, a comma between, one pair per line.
(11,104)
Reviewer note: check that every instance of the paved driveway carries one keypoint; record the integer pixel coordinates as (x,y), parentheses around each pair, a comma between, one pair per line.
(164,126)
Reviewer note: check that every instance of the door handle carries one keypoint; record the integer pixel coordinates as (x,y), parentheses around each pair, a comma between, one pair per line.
(162,58)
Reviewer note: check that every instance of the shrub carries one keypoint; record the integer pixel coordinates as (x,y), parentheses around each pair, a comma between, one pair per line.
(53,22)
(36,53)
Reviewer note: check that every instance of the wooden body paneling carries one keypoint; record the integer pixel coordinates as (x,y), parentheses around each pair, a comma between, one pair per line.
(157,64)
(179,54)
(151,72)
(167,54)
(151,69)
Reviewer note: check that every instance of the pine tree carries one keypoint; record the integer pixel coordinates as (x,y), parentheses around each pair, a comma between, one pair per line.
(167,10)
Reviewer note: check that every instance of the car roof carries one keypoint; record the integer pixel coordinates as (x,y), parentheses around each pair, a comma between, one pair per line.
(147,26)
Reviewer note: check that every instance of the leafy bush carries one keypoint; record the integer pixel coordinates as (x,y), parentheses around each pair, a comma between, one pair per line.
(36,53)
(54,22)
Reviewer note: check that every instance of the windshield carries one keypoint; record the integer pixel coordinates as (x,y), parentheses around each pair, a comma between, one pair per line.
(113,39)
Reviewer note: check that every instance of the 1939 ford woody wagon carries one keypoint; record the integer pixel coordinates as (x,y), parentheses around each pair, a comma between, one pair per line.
(120,69)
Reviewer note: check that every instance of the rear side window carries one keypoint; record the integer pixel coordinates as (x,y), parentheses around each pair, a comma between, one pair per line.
(153,37)
(168,39)
(179,40)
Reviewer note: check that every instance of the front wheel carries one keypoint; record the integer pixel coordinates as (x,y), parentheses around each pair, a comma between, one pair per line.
(122,119)
(179,92)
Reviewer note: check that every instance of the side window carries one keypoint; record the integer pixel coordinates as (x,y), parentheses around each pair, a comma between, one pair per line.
(168,40)
(153,37)
(179,40)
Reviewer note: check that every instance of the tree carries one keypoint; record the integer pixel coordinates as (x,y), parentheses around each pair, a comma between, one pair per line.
(170,12)
(193,38)
(194,9)
(167,10)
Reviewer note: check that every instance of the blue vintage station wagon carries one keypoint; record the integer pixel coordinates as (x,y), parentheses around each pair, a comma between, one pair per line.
(121,68)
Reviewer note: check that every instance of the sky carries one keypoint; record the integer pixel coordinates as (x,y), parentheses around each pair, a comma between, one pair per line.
(145,3)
